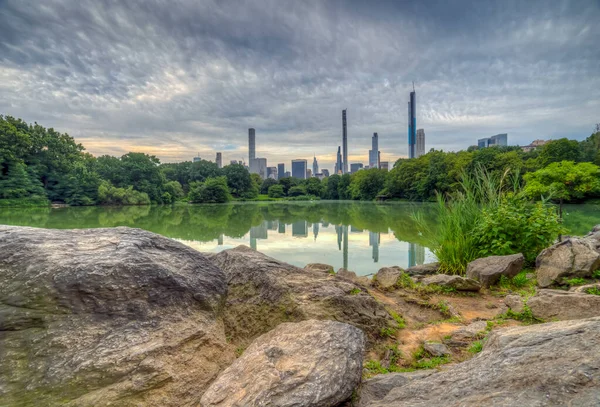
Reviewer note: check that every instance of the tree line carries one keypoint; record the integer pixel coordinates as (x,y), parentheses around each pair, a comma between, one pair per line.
(38,165)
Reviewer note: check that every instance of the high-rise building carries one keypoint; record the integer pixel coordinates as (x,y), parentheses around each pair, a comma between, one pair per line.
(272,172)
(219,160)
(325,172)
(197,159)
(412,124)
(308,173)
(280,171)
(420,142)
(384,165)
(287,174)
(251,145)
(299,168)
(374,152)
(344,166)
(315,168)
(355,167)
(260,166)
(338,163)
(234,162)
(497,140)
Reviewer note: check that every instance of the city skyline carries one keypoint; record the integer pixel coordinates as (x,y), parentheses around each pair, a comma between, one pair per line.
(168,79)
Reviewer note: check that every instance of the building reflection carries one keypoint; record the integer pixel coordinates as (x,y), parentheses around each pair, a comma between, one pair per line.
(374,241)
(416,254)
(299,229)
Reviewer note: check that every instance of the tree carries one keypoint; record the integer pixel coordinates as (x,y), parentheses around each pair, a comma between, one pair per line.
(239,181)
(297,190)
(559,150)
(314,187)
(366,184)
(213,190)
(344,187)
(266,184)
(174,189)
(333,182)
(276,191)
(18,183)
(141,171)
(287,183)
(203,169)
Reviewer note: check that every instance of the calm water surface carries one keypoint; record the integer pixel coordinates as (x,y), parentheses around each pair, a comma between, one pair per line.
(360,236)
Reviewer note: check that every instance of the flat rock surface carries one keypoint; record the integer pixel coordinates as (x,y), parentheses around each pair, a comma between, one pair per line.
(456,282)
(107,316)
(423,269)
(467,334)
(376,388)
(310,363)
(263,292)
(324,268)
(488,270)
(573,257)
(553,364)
(563,305)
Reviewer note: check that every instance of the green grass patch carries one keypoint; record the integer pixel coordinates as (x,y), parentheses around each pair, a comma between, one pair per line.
(475,347)
(387,332)
(355,291)
(574,281)
(526,316)
(399,320)
(596,274)
(593,291)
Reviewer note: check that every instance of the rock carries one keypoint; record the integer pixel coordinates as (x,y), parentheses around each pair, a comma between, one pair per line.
(584,288)
(457,282)
(515,303)
(376,388)
(107,316)
(346,274)
(467,334)
(563,305)
(571,258)
(263,292)
(488,270)
(323,268)
(553,364)
(436,349)
(387,277)
(423,269)
(309,363)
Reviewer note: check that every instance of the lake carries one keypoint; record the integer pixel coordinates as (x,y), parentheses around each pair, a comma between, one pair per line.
(359,236)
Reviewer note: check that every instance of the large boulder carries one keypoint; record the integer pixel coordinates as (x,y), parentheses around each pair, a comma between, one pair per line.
(488,270)
(107,317)
(387,277)
(553,364)
(263,292)
(573,257)
(423,269)
(562,305)
(467,334)
(457,283)
(377,387)
(310,363)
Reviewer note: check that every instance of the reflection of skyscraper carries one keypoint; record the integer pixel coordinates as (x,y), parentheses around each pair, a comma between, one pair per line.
(220,240)
(339,231)
(416,254)
(355,229)
(345,247)
(259,232)
(374,240)
(316,230)
(281,228)
(299,229)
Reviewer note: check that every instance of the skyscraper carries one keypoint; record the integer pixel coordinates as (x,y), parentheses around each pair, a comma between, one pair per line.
(219,160)
(325,172)
(412,123)
(315,168)
(299,169)
(344,167)
(280,171)
(355,167)
(251,145)
(374,152)
(420,142)
(338,163)
(497,140)
(272,172)
(260,165)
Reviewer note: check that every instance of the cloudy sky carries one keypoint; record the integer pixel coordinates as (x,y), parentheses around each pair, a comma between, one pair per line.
(178,78)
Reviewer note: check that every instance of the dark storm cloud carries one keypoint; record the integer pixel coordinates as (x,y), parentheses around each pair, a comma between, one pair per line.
(176,78)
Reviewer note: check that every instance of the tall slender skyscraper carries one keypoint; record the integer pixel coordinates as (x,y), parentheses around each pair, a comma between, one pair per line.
(420,142)
(219,160)
(338,163)
(374,152)
(344,143)
(251,145)
(412,124)
(315,170)
(280,171)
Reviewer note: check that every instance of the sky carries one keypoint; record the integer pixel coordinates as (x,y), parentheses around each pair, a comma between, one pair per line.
(180,78)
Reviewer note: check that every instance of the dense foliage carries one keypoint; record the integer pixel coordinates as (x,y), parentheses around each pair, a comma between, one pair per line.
(39,165)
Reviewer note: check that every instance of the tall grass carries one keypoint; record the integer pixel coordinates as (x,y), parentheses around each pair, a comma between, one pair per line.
(453,241)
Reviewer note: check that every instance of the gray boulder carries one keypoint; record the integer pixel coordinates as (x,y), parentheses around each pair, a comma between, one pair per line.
(387,277)
(324,268)
(263,292)
(107,316)
(488,270)
(423,269)
(456,282)
(436,349)
(515,303)
(467,334)
(564,305)
(573,257)
(309,363)
(553,364)
(376,388)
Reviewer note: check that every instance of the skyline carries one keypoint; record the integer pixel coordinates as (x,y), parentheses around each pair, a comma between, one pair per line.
(168,80)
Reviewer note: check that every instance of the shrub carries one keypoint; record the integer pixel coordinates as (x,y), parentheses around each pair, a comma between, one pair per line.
(276,191)
(475,347)
(593,290)
(111,195)
(213,190)
(297,190)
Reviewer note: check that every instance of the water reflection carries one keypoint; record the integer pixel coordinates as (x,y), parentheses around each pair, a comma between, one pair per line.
(359,236)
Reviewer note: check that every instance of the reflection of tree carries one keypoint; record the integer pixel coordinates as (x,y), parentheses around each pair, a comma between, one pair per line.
(37,217)
(580,219)
(118,216)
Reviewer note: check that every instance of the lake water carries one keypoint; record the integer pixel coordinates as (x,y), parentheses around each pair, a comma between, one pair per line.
(359,236)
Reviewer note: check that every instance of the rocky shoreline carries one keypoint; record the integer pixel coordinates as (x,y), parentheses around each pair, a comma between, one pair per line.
(125,317)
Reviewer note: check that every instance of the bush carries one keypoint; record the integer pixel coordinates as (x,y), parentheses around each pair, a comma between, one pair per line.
(297,190)
(111,195)
(517,226)
(276,191)
(213,190)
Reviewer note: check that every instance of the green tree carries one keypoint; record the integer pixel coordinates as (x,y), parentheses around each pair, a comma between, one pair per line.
(314,187)
(331,191)
(19,183)
(344,187)
(203,169)
(141,171)
(239,182)
(213,190)
(366,184)
(276,191)
(266,184)
(559,150)
(297,190)
(287,183)
(174,189)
